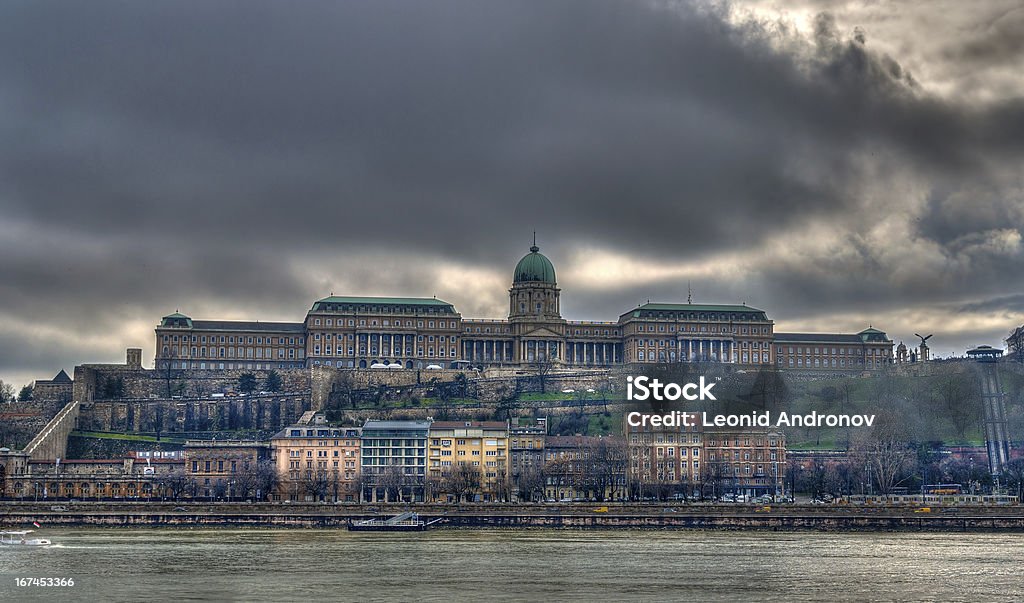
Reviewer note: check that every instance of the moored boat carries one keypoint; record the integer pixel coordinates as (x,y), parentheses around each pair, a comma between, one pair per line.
(20,538)
(404,522)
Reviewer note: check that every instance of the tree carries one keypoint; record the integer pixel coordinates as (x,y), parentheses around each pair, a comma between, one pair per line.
(6,392)
(1013,473)
(318,483)
(444,394)
(604,467)
(247,383)
(713,475)
(507,405)
(961,401)
(170,374)
(541,369)
(888,457)
(157,420)
(173,484)
(1015,343)
(462,481)
(394,481)
(558,473)
(273,382)
(26,393)
(530,484)
(245,480)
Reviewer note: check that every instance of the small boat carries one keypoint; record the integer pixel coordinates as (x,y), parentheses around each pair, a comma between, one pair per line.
(18,538)
(404,522)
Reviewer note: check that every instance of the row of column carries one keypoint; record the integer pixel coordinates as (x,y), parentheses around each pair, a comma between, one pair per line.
(539,350)
(389,344)
(533,350)
(487,350)
(713,350)
(592,352)
(698,350)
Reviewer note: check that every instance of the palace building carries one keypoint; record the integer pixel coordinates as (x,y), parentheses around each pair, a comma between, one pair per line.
(419,333)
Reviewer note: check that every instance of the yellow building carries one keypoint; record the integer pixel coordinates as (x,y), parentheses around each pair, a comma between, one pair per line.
(468,460)
(317,463)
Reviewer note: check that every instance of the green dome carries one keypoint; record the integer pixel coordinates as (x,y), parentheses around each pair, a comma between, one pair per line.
(534,268)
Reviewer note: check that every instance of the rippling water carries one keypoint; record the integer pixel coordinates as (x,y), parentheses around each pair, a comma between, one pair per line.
(135,564)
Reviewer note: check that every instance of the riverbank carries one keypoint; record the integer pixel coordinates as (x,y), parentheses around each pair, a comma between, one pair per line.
(706,517)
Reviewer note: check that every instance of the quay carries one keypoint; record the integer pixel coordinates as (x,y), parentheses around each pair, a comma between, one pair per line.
(1007,518)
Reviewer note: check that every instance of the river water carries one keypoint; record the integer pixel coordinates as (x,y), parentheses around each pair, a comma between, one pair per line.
(161,564)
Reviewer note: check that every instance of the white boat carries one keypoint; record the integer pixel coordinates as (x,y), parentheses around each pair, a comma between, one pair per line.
(18,538)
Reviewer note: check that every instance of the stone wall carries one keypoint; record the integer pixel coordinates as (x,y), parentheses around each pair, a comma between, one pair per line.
(57,393)
(52,440)
(139,383)
(170,416)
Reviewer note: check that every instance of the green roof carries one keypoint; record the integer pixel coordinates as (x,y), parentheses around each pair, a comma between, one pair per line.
(534,268)
(383,301)
(176,320)
(725,308)
(871,330)
(699,307)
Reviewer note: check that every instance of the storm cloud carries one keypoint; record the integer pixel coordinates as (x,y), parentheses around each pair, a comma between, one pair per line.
(829,163)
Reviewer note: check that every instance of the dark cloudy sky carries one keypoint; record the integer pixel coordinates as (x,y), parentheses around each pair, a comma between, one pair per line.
(834,163)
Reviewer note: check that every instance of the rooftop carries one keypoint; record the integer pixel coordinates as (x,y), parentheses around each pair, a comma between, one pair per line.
(426,302)
(61,377)
(844,338)
(245,325)
(312,431)
(374,424)
(575,441)
(727,308)
(468,424)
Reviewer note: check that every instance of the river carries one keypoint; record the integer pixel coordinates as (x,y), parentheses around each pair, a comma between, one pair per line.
(161,564)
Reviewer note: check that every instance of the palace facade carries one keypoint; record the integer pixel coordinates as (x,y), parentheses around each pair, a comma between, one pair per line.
(418,333)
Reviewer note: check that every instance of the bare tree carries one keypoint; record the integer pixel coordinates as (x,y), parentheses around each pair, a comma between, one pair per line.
(267,478)
(530,484)
(246,480)
(318,483)
(463,481)
(558,473)
(394,481)
(605,465)
(889,458)
(156,422)
(713,476)
(6,392)
(1013,473)
(170,374)
(173,483)
(542,367)
(961,401)
(1015,343)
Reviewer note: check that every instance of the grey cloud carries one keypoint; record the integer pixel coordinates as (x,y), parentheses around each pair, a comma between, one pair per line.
(203,156)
